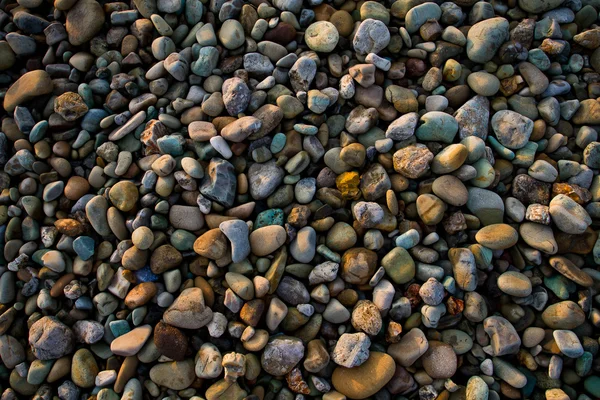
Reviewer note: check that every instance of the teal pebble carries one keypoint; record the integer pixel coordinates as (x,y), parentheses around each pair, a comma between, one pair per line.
(84,247)
(449,284)
(437,126)
(86,94)
(273,216)
(592,385)
(560,286)
(82,138)
(278,143)
(504,152)
(538,58)
(171,144)
(328,253)
(119,327)
(38,131)
(583,364)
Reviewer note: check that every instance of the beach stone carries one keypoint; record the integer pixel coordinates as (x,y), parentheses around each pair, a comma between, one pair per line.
(413,161)
(321,36)
(570,271)
(512,129)
(50,339)
(563,315)
(266,240)
(84,21)
(175,375)
(568,343)
(189,310)
(219,182)
(281,354)
(352,382)
(372,36)
(439,360)
(351,350)
(472,118)
(358,265)
(264,178)
(410,348)
(231,34)
(515,284)
(237,233)
(11,351)
(131,343)
(28,86)
(485,38)
(569,216)
(497,236)
(504,339)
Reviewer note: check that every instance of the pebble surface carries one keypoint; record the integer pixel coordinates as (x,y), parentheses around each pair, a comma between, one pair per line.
(290,200)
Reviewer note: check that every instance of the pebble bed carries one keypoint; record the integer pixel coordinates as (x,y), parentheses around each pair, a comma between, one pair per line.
(299,199)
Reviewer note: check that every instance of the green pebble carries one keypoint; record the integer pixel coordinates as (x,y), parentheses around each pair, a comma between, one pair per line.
(272,216)
(183,240)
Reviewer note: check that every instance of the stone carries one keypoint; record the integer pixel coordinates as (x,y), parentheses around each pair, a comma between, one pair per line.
(50,339)
(188,311)
(28,86)
(352,382)
(281,354)
(84,20)
(321,36)
(439,360)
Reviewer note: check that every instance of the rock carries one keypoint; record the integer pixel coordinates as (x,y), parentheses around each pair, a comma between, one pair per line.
(188,311)
(130,343)
(352,382)
(515,284)
(410,348)
(175,375)
(11,351)
(28,86)
(240,129)
(412,161)
(372,36)
(263,179)
(568,343)
(231,34)
(512,129)
(497,236)
(403,127)
(569,216)
(439,360)
(50,339)
(236,95)
(237,233)
(472,118)
(366,317)
(219,183)
(563,315)
(504,339)
(266,240)
(84,20)
(485,38)
(351,350)
(281,354)
(84,368)
(321,36)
